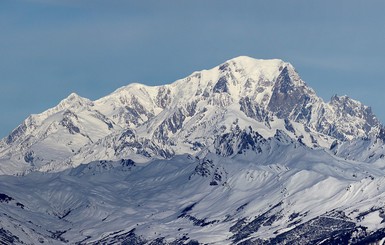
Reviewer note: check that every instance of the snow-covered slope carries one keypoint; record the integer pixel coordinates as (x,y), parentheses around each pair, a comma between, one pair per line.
(53,135)
(371,150)
(184,117)
(283,192)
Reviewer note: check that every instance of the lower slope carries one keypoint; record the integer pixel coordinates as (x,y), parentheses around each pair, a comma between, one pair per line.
(287,190)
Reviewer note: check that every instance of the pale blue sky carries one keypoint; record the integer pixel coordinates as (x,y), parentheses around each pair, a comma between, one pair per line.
(50,48)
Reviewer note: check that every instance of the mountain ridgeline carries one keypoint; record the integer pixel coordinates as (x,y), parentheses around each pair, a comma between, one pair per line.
(243,153)
(186,116)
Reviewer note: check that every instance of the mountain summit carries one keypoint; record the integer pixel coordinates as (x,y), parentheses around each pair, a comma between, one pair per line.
(186,116)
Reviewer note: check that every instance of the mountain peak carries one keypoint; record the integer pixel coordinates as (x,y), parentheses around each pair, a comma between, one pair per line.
(74,97)
(131,86)
(344,101)
(341,98)
(250,64)
(257,71)
(247,60)
(74,100)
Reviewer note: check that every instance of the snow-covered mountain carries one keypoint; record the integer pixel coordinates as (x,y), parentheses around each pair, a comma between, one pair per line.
(184,117)
(243,153)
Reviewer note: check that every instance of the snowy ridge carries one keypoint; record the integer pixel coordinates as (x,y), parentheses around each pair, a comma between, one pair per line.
(371,150)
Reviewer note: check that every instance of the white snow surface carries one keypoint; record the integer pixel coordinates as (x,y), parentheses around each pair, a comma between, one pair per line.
(164,198)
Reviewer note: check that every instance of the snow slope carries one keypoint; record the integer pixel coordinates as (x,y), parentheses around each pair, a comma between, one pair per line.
(275,195)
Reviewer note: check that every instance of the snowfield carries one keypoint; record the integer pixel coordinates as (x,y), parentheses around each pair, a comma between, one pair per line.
(214,200)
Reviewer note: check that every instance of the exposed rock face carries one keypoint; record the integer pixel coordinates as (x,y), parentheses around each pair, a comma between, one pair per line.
(289,100)
(238,141)
(381,135)
(254,110)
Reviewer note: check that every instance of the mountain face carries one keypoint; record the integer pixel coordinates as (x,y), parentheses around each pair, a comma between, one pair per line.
(243,153)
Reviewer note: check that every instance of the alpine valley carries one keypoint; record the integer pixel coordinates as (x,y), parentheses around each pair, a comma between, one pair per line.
(243,153)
